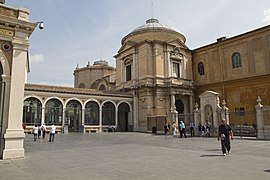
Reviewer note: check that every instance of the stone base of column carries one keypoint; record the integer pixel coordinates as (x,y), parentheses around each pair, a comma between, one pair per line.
(14,139)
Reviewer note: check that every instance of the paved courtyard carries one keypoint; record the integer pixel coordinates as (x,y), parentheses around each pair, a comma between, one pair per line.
(110,156)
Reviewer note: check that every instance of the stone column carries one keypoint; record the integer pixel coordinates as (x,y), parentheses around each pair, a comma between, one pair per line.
(14,135)
(196,119)
(190,104)
(83,116)
(135,112)
(64,117)
(173,108)
(43,115)
(100,119)
(116,117)
(259,118)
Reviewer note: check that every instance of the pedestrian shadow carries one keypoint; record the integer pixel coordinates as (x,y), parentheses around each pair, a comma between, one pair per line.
(266,170)
(211,155)
(213,150)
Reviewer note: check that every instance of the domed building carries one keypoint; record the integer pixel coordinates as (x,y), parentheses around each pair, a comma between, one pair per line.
(99,76)
(154,64)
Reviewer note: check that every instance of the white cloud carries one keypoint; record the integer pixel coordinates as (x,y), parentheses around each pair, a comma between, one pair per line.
(36,58)
(266,18)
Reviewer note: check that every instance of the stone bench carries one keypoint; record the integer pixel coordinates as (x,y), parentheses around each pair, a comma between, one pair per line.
(91,129)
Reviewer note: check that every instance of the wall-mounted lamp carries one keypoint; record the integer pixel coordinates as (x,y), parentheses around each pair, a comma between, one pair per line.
(40,25)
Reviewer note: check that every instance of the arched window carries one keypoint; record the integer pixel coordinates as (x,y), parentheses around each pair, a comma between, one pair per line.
(73,115)
(53,112)
(91,113)
(236,60)
(108,114)
(102,87)
(200,69)
(32,109)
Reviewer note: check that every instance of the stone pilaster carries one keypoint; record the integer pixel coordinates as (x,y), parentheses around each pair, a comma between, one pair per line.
(259,117)
(14,134)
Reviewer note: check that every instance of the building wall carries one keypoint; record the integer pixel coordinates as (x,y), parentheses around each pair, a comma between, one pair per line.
(239,87)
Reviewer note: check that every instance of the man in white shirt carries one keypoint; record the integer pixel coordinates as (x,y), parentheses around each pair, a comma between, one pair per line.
(35,131)
(52,132)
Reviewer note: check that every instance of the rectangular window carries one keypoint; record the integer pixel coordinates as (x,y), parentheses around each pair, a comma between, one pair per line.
(176,70)
(128,72)
(239,111)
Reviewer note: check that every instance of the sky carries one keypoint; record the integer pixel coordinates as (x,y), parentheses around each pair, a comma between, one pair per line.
(82,31)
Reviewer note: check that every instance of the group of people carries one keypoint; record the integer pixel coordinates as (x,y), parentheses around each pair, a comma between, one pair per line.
(181,127)
(225,133)
(37,130)
(204,130)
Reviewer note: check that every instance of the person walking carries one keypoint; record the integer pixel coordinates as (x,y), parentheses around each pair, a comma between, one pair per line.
(35,131)
(166,130)
(174,130)
(52,133)
(191,127)
(39,130)
(225,133)
(43,129)
(182,129)
(200,129)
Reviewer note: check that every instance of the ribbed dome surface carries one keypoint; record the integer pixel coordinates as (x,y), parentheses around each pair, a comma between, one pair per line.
(152,24)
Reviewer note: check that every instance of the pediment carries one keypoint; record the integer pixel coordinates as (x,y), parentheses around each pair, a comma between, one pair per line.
(208,94)
(123,47)
(178,43)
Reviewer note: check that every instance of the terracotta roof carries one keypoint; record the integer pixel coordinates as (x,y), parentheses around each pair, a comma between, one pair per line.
(70,90)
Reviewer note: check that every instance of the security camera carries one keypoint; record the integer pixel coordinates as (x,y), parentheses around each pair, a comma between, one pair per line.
(41,25)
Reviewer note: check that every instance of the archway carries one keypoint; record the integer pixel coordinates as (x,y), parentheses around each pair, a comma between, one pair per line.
(180,108)
(32,111)
(209,120)
(123,111)
(108,114)
(73,115)
(91,113)
(54,112)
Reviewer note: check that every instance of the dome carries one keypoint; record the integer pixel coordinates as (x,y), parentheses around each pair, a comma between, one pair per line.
(101,62)
(153,25)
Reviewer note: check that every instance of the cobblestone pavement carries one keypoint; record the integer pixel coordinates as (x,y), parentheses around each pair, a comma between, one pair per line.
(110,156)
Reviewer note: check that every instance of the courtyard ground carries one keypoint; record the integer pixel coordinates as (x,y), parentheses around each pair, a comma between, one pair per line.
(116,156)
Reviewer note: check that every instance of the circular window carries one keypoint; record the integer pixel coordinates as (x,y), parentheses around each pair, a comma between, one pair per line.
(6,46)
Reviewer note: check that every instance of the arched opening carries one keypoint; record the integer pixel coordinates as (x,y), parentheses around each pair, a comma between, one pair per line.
(209,120)
(54,112)
(123,111)
(102,87)
(180,109)
(108,114)
(179,106)
(32,110)
(73,116)
(91,113)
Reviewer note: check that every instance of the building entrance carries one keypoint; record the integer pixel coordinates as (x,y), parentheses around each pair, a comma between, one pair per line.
(123,112)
